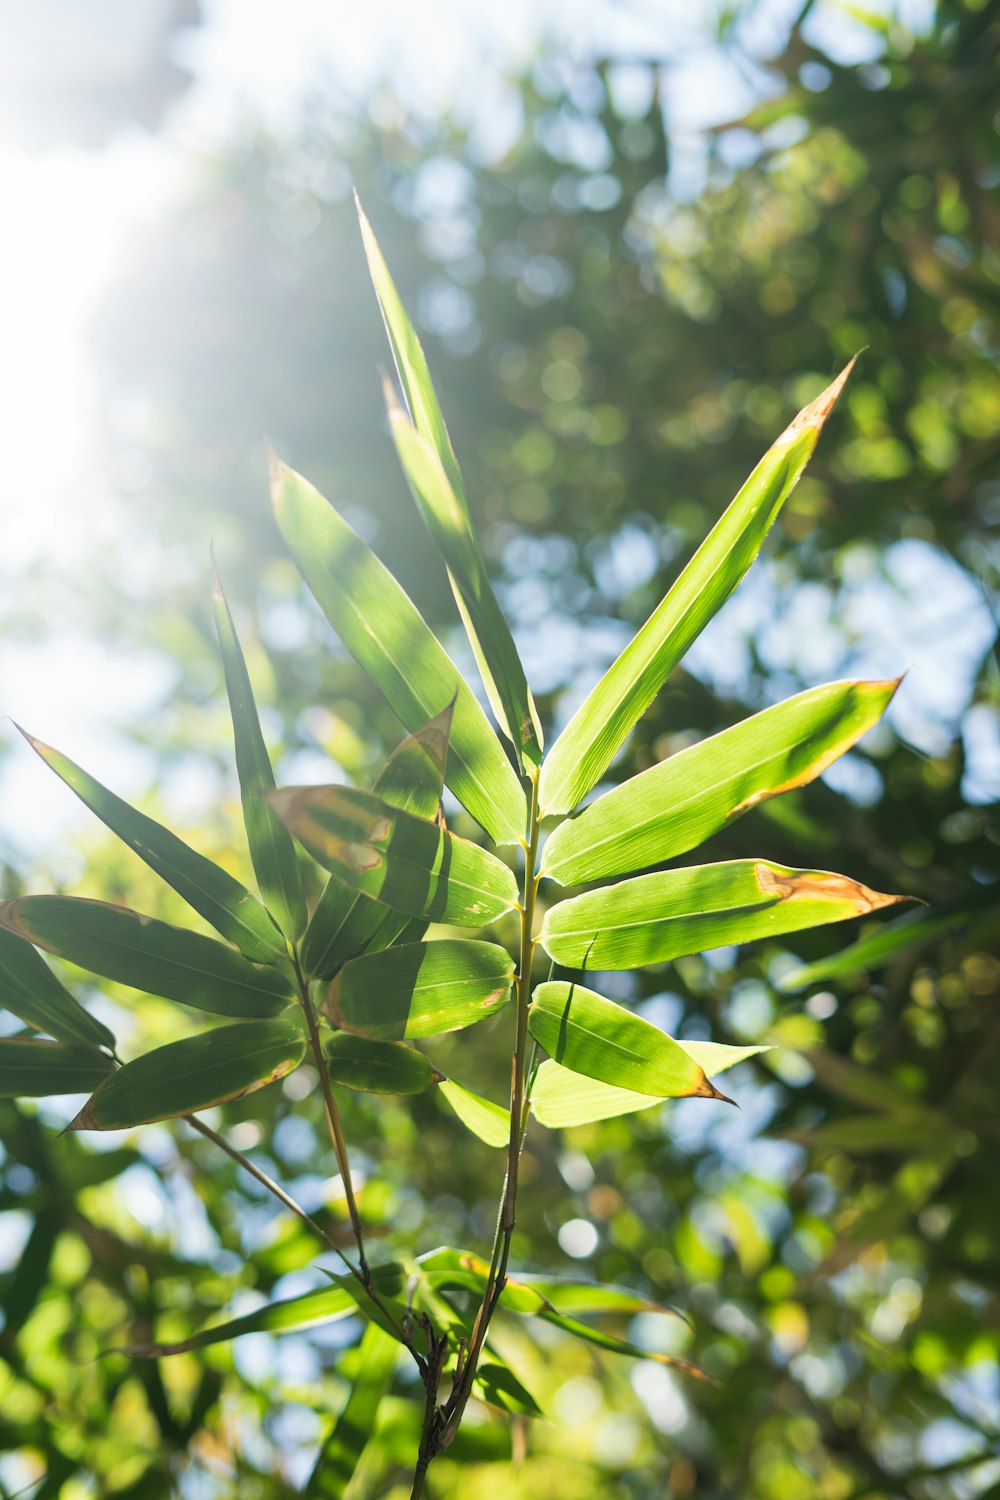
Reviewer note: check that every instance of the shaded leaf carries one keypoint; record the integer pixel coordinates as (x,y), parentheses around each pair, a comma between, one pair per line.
(355,1426)
(149,955)
(489,1121)
(880,947)
(195,1073)
(30,991)
(31,1068)
(602,723)
(674,912)
(226,904)
(408,863)
(420,989)
(375,1067)
(386,634)
(498,1386)
(679,803)
(271,848)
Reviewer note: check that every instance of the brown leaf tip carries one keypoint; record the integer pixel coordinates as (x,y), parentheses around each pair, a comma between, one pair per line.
(815,414)
(821,885)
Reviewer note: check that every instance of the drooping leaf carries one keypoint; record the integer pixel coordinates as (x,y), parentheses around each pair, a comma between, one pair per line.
(149,955)
(498,1386)
(376,1067)
(673,912)
(681,802)
(448,522)
(489,1121)
(602,723)
(31,1068)
(345,923)
(271,848)
(195,1074)
(583,1031)
(386,634)
(226,904)
(420,989)
(408,863)
(30,991)
(354,1428)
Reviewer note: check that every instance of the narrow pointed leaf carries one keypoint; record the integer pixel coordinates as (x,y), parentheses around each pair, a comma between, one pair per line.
(376,1067)
(30,991)
(221,900)
(679,803)
(877,948)
(491,1122)
(662,916)
(386,634)
(603,722)
(271,848)
(408,863)
(31,1068)
(149,955)
(583,1031)
(420,989)
(448,522)
(344,923)
(498,1386)
(354,1428)
(195,1074)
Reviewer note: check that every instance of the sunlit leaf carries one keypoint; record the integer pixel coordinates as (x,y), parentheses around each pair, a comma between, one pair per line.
(602,723)
(489,1121)
(271,847)
(228,906)
(345,923)
(376,1067)
(583,1031)
(408,863)
(149,955)
(498,1386)
(30,991)
(195,1073)
(681,802)
(384,631)
(673,912)
(420,989)
(355,1426)
(31,1068)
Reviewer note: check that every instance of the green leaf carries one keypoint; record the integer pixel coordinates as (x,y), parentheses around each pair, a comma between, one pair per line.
(222,901)
(583,1031)
(603,722)
(30,991)
(355,1426)
(674,912)
(420,989)
(149,955)
(194,1074)
(375,1067)
(31,1068)
(271,848)
(448,522)
(681,802)
(344,923)
(498,1386)
(491,1122)
(408,863)
(880,947)
(386,634)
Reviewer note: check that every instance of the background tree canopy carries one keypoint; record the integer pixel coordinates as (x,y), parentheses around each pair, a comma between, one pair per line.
(615,341)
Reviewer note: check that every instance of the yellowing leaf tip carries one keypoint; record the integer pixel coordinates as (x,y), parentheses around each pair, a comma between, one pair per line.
(815,414)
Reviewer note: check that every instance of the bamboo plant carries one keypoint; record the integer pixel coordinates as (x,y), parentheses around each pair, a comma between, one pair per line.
(352,985)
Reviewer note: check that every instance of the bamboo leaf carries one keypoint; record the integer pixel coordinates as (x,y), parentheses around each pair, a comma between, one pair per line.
(681,802)
(583,1031)
(662,916)
(386,634)
(344,923)
(376,1067)
(603,722)
(875,949)
(498,1386)
(31,1068)
(489,1121)
(226,904)
(149,955)
(194,1074)
(271,848)
(355,1426)
(420,989)
(408,863)
(30,991)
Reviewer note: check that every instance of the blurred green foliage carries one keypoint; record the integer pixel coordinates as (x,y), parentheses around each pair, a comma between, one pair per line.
(614,353)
